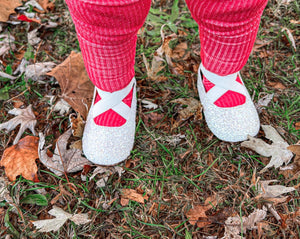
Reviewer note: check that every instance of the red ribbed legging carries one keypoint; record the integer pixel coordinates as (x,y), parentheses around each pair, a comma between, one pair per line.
(107,33)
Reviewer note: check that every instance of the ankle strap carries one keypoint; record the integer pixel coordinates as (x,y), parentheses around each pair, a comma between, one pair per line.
(222,84)
(113,100)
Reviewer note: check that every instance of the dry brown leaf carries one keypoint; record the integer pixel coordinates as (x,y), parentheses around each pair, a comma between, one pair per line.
(181,52)
(156,66)
(76,88)
(277,150)
(233,225)
(46,5)
(64,160)
(194,108)
(198,213)
(77,125)
(7,8)
(20,159)
(272,191)
(133,195)
(25,117)
(297,125)
(292,171)
(76,145)
(277,85)
(17,103)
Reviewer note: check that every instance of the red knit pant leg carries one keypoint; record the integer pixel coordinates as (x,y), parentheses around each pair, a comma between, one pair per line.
(107,33)
(227,31)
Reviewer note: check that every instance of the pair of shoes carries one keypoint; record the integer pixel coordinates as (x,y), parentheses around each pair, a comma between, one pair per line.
(106,145)
(226,121)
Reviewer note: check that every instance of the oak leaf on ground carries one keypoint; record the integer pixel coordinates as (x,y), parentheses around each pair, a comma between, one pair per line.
(25,117)
(277,150)
(7,8)
(61,217)
(19,159)
(76,88)
(272,191)
(64,160)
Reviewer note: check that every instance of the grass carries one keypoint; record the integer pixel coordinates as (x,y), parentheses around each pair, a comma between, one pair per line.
(175,169)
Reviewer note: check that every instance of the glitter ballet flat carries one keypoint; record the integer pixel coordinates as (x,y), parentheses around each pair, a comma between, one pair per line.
(105,145)
(230,124)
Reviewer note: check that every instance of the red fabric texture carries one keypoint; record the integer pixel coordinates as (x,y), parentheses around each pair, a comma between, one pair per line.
(107,33)
(227,30)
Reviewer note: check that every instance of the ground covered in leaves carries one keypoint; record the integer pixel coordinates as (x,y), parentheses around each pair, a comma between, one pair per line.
(180,181)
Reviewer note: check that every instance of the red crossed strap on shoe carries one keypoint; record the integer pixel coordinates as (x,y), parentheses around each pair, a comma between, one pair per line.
(112,109)
(233,96)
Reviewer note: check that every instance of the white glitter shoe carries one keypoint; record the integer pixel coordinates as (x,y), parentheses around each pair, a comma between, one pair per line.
(110,145)
(231,124)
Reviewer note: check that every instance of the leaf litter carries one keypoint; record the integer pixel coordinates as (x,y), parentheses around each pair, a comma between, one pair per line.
(63,160)
(277,150)
(169,60)
(61,217)
(19,159)
(25,117)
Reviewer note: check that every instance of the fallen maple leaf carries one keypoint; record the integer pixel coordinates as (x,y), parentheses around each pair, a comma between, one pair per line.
(64,160)
(133,195)
(61,217)
(277,150)
(25,117)
(233,225)
(7,8)
(19,159)
(76,88)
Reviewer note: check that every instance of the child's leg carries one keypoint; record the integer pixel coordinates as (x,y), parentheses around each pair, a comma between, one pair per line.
(227,31)
(107,33)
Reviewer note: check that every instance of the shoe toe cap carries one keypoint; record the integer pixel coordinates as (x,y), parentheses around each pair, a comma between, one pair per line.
(233,124)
